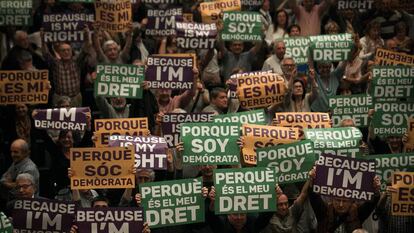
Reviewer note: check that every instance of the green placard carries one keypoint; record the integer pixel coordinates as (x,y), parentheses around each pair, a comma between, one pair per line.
(391,119)
(210,143)
(244,190)
(16,12)
(119,81)
(292,162)
(392,83)
(175,202)
(337,141)
(387,163)
(257,117)
(353,107)
(241,26)
(297,48)
(329,48)
(5,224)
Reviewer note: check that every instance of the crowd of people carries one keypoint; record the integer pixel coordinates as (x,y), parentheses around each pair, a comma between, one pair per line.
(36,162)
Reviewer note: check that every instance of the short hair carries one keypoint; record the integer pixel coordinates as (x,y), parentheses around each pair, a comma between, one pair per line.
(331,24)
(216,91)
(26,176)
(108,43)
(150,171)
(293,26)
(99,198)
(19,33)
(287,58)
(24,56)
(62,99)
(24,145)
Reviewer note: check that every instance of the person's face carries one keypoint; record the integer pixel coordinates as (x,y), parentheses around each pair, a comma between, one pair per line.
(282,205)
(266,5)
(164,95)
(237,47)
(341,205)
(112,51)
(394,141)
(143,177)
(288,67)
(25,188)
(221,100)
(21,110)
(324,69)
(22,40)
(308,4)
(348,14)
(118,103)
(16,151)
(294,31)
(374,32)
(281,19)
(66,140)
(280,50)
(65,52)
(237,220)
(100,204)
(332,30)
(65,104)
(297,89)
(391,45)
(401,32)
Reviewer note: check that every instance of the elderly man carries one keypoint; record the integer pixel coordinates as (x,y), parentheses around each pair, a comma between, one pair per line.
(21,44)
(273,62)
(20,152)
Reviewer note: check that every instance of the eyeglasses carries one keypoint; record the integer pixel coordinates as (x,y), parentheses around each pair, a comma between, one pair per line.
(23,186)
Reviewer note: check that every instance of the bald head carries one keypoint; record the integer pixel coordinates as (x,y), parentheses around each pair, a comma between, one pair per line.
(21,39)
(19,150)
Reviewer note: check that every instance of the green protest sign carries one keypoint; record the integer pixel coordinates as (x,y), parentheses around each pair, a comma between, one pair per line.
(392,83)
(292,162)
(386,164)
(241,26)
(113,80)
(244,190)
(257,117)
(297,48)
(174,202)
(328,48)
(337,141)
(5,224)
(16,12)
(210,143)
(391,119)
(353,107)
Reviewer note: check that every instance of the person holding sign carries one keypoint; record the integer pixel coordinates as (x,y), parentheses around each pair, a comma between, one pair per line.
(328,83)
(297,98)
(389,223)
(110,52)
(340,210)
(371,41)
(309,15)
(235,57)
(286,218)
(66,69)
(218,102)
